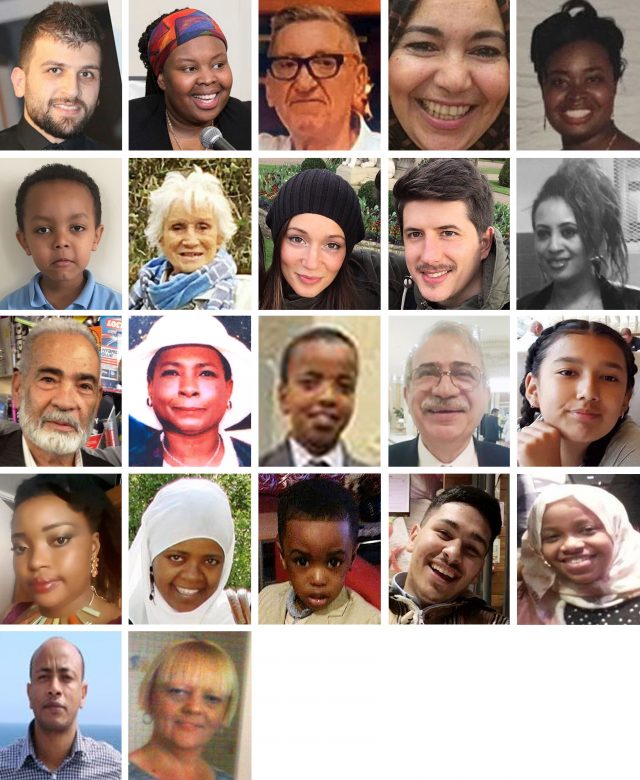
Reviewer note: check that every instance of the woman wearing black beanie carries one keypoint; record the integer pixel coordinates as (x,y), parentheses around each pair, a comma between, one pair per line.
(315,221)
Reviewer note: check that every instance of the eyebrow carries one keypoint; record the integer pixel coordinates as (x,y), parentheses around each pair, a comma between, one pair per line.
(180,363)
(590,69)
(436,32)
(72,216)
(52,63)
(562,224)
(580,361)
(301,230)
(59,372)
(473,535)
(46,528)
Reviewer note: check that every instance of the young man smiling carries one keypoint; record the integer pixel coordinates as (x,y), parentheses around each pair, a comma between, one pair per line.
(453,257)
(448,549)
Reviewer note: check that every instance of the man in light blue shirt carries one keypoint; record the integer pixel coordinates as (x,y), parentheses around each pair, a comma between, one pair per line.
(54,748)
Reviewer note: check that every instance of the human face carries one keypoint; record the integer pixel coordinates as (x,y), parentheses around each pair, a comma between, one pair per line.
(447,553)
(60,86)
(52,550)
(188,391)
(316,112)
(197,80)
(557,242)
(189,706)
(449,73)
(56,691)
(575,543)
(60,230)
(581,387)
(443,250)
(58,397)
(579,91)
(188,573)
(444,415)
(189,237)
(317,555)
(319,394)
(312,252)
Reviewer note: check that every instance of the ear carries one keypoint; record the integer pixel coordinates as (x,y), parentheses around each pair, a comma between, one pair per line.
(531,390)
(625,402)
(95,543)
(83,694)
(29,695)
(354,552)
(282,398)
(149,393)
(486,242)
(268,85)
(360,93)
(18,79)
(412,537)
(97,236)
(16,386)
(22,240)
(281,554)
(160,80)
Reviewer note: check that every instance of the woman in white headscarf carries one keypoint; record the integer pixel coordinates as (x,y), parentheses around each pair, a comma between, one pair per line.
(580,560)
(181,558)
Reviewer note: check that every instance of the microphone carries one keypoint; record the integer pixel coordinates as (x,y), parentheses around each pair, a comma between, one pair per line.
(211,138)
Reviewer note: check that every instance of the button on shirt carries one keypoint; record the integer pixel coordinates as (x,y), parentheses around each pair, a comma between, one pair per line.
(94,297)
(87,760)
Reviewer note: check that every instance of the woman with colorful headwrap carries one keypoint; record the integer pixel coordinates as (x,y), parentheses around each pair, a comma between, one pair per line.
(188,86)
(448,86)
(579,561)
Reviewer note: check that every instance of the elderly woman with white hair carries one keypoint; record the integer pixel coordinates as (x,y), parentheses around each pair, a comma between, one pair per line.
(190,223)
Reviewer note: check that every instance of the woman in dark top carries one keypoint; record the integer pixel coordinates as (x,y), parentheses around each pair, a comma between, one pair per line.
(579,242)
(188,86)
(316,221)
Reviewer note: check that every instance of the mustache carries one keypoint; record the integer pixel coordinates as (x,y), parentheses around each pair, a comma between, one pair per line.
(60,417)
(422,268)
(431,405)
(68,102)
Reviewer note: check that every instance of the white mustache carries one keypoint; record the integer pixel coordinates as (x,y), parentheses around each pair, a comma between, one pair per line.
(430,406)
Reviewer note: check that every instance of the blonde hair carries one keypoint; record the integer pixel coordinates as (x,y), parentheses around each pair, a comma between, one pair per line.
(196,655)
(195,190)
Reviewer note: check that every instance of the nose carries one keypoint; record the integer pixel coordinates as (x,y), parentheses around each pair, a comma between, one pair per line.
(66,397)
(55,686)
(191,571)
(38,557)
(587,387)
(194,702)
(453,76)
(70,84)
(61,238)
(452,551)
(431,250)
(318,576)
(445,388)
(554,241)
(311,257)
(190,237)
(305,80)
(188,385)
(571,543)
(327,393)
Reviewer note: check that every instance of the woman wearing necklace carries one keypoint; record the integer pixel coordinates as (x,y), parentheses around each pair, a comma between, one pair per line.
(66,552)
(577,56)
(189,381)
(579,243)
(188,86)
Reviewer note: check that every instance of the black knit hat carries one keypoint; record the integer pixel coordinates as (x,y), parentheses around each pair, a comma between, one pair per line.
(318,191)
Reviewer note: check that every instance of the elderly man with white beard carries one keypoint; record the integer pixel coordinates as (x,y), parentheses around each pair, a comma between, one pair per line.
(57,392)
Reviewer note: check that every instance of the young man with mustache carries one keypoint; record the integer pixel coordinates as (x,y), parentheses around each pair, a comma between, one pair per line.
(453,257)
(447,392)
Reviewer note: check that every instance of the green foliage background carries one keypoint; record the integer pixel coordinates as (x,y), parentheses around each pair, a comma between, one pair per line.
(147,174)
(143,487)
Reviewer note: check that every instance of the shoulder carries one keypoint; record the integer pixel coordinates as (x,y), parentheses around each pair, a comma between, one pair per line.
(267,141)
(490,454)
(147,126)
(235,124)
(9,138)
(11,448)
(146,106)
(360,611)
(92,457)
(137,773)
(18,299)
(616,296)
(220,775)
(272,604)
(404,453)
(12,755)
(243,451)
(144,444)
(106,761)
(105,298)
(278,456)
(537,299)
(624,447)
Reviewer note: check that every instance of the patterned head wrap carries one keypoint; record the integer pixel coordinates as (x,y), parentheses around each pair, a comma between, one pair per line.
(175,29)
(497,136)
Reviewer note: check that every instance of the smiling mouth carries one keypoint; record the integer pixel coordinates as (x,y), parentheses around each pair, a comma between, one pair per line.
(577,114)
(444,112)
(187,592)
(443,572)
(206,101)
(310,280)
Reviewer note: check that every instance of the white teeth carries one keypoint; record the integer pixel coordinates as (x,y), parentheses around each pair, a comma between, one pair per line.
(186,591)
(206,98)
(440,111)
(436,274)
(578,113)
(441,570)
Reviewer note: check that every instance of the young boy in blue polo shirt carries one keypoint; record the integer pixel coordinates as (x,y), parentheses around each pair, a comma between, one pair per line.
(59,215)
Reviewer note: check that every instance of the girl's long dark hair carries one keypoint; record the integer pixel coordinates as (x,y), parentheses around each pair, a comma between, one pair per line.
(536,355)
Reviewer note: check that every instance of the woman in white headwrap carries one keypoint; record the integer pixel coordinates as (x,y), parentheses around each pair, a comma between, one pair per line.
(181,558)
(580,560)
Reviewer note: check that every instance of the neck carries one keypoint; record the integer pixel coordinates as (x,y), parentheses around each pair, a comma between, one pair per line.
(566,294)
(344,137)
(70,607)
(445,451)
(169,756)
(194,450)
(52,747)
(315,449)
(600,141)
(571,453)
(61,294)
(51,138)
(186,134)
(44,458)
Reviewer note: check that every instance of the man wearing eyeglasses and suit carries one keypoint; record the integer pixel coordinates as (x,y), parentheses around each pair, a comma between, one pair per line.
(446,389)
(317,82)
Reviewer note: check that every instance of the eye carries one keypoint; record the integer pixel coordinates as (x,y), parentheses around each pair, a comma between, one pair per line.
(18,549)
(472,552)
(211,698)
(567,372)
(421,47)
(189,68)
(542,234)
(208,373)
(78,228)
(550,539)
(55,70)
(487,52)
(558,82)
(293,239)
(176,691)
(569,232)
(213,561)
(412,235)
(334,563)
(87,74)
(301,561)
(449,233)
(204,226)
(333,246)
(168,372)
(444,534)
(308,383)
(61,541)
(610,378)
(175,558)
(219,65)
(41,231)
(86,387)
(347,388)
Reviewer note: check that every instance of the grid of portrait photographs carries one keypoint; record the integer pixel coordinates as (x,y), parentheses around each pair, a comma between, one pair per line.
(284,270)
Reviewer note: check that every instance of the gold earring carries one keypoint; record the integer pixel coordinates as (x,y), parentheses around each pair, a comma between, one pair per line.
(94,565)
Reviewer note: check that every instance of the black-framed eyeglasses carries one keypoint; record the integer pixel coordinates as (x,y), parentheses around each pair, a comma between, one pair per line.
(464,376)
(320,66)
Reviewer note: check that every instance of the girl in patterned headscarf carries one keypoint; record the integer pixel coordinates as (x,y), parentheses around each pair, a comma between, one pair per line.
(188,86)
(449,89)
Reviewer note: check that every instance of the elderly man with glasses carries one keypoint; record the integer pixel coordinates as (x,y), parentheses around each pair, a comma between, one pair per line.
(447,392)
(317,82)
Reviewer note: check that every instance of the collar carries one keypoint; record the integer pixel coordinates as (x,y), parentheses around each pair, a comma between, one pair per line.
(37,299)
(28,749)
(302,457)
(335,609)
(29,460)
(230,457)
(468,456)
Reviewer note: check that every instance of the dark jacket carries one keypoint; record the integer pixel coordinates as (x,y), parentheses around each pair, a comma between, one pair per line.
(11,452)
(405,453)
(614,296)
(25,137)
(145,446)
(148,123)
(404,294)
(281,456)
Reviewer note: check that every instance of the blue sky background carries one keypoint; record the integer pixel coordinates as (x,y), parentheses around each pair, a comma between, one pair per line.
(102,655)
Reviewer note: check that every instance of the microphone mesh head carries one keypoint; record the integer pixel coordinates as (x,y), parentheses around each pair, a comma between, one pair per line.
(209,136)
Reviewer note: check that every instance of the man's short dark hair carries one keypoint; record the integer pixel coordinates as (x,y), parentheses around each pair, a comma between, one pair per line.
(447,179)
(319,499)
(495,409)
(315,334)
(68,22)
(57,172)
(480,500)
(37,650)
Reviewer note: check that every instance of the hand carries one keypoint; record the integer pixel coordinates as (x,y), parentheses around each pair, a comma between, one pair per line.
(539,445)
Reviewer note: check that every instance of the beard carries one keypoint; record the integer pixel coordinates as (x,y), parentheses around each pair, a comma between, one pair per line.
(54,442)
(65,127)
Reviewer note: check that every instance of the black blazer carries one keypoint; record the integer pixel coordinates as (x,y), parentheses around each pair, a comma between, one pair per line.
(11,452)
(281,456)
(405,453)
